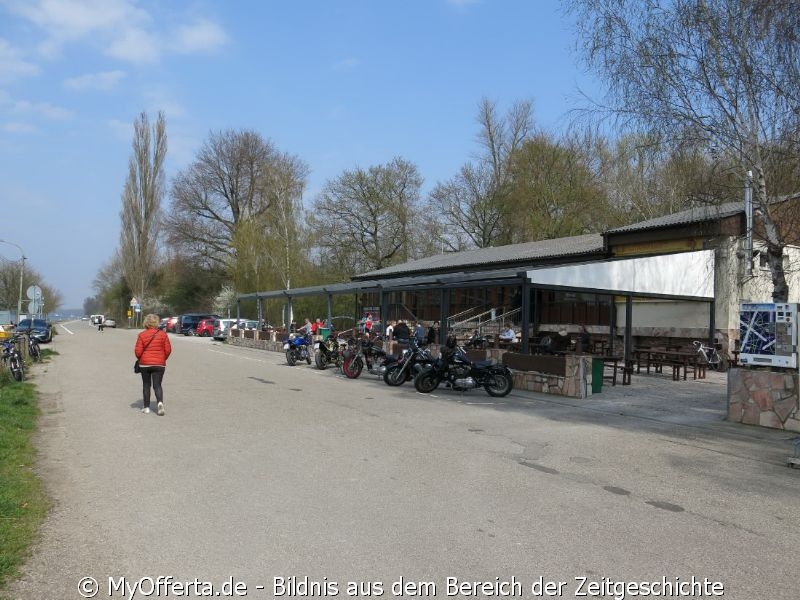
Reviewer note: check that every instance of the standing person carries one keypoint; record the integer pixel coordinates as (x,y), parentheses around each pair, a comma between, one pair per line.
(368,324)
(584,340)
(401,331)
(152,349)
(306,328)
(433,334)
(419,333)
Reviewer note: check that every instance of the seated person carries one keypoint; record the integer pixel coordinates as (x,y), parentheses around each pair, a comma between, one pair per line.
(476,341)
(559,343)
(508,335)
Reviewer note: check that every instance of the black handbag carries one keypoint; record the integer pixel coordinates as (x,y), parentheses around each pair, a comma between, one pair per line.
(136,368)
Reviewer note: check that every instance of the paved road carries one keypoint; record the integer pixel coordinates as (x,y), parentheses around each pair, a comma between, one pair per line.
(261,471)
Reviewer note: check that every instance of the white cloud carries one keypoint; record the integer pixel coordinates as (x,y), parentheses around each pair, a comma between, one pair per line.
(95,81)
(201,36)
(121,129)
(135,45)
(12,65)
(346,64)
(42,109)
(18,127)
(68,20)
(120,27)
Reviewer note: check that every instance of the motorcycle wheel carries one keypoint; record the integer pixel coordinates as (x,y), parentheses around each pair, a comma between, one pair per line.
(320,360)
(308,358)
(290,358)
(352,367)
(426,382)
(35,352)
(499,384)
(393,376)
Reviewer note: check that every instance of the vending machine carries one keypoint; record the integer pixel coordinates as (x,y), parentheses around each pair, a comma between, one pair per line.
(768,334)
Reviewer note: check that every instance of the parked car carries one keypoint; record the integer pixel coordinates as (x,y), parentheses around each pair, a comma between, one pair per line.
(189,321)
(97,319)
(38,329)
(110,323)
(171,324)
(221,327)
(205,328)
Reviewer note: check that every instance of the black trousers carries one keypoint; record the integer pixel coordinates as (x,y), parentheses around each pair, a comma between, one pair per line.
(152,376)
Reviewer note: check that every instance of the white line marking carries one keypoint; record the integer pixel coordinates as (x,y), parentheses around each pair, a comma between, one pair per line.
(64,327)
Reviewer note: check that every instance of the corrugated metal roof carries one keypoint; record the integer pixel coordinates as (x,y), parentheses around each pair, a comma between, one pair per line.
(529,251)
(699,214)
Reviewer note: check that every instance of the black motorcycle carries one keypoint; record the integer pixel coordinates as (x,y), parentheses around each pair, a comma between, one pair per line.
(329,352)
(405,367)
(366,353)
(458,372)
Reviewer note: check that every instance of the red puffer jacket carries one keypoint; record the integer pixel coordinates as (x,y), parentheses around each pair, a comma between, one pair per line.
(156,352)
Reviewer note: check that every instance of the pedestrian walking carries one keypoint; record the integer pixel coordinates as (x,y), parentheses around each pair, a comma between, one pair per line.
(152,351)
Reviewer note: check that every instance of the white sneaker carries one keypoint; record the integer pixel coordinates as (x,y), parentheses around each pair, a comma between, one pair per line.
(160,409)
(146,410)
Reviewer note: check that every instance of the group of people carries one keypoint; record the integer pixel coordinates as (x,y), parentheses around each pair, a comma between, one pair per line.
(310,327)
(400,330)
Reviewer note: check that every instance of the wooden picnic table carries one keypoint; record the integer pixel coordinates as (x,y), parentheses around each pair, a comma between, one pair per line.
(679,360)
(618,365)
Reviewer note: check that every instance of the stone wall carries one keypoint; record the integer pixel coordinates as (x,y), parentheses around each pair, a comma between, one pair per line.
(576,383)
(765,398)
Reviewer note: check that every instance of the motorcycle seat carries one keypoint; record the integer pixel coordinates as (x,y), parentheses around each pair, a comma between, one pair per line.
(483,364)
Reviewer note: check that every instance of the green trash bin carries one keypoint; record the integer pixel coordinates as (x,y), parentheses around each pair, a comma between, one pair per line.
(597,375)
(324,332)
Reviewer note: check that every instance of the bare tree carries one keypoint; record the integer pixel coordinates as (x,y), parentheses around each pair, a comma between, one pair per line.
(365,219)
(470,206)
(224,186)
(141,203)
(721,74)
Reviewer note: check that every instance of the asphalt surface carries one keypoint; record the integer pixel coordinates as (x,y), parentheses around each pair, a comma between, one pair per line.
(260,473)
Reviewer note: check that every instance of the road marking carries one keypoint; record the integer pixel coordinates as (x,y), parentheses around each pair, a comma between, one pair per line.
(64,327)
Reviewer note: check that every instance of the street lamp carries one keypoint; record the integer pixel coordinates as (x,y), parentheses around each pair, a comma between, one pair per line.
(21,273)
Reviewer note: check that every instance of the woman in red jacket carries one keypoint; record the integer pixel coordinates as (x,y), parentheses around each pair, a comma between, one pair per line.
(152,349)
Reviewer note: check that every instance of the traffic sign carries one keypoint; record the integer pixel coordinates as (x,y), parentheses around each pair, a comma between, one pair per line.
(134,301)
(34,292)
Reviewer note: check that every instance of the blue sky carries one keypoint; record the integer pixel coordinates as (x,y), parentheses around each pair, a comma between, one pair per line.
(341,84)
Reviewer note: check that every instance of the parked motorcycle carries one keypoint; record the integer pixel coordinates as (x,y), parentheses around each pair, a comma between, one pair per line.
(458,372)
(296,348)
(329,352)
(406,366)
(366,353)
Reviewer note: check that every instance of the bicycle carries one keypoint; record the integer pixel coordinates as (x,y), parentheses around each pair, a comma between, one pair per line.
(709,354)
(13,360)
(34,351)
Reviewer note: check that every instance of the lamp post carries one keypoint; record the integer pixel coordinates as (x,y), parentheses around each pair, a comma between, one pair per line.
(21,273)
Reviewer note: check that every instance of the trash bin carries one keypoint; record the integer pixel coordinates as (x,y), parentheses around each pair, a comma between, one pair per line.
(597,375)
(324,332)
